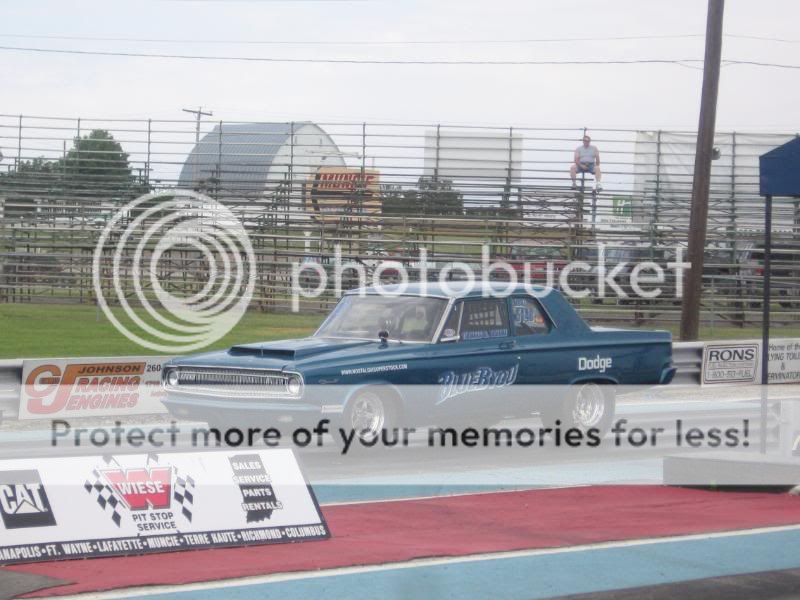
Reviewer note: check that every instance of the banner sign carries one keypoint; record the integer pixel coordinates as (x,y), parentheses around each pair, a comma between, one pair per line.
(784,361)
(731,363)
(740,362)
(335,193)
(56,388)
(80,507)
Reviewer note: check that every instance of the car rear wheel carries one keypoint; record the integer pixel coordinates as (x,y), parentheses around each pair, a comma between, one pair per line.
(587,406)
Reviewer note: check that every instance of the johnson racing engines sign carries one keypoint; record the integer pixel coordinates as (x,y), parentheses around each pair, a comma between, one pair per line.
(88,387)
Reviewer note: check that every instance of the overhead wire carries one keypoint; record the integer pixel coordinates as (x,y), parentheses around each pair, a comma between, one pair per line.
(371,61)
(310,42)
(429,42)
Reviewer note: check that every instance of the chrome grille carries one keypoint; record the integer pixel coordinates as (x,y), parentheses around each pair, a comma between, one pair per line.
(233,383)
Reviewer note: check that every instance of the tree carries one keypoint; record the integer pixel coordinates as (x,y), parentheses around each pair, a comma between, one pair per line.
(36,165)
(22,187)
(437,197)
(397,202)
(94,169)
(96,166)
(433,197)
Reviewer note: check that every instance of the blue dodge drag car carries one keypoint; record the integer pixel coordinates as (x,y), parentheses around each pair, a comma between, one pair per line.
(422,356)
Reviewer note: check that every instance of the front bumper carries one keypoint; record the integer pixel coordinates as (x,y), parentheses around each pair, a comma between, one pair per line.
(249,412)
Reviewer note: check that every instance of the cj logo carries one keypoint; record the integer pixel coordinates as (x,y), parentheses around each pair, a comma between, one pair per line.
(23,500)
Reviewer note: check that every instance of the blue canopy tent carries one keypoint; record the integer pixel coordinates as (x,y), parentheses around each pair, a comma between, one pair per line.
(779,175)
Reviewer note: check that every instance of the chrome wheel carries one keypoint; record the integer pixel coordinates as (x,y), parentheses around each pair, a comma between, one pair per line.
(589,407)
(367,416)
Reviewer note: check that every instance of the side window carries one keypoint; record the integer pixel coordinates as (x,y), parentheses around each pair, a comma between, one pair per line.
(484,319)
(452,325)
(528,317)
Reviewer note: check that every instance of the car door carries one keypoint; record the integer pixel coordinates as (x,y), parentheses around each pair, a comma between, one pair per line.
(535,341)
(476,352)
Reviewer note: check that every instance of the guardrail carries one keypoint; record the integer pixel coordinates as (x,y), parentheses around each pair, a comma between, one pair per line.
(687,356)
(10,383)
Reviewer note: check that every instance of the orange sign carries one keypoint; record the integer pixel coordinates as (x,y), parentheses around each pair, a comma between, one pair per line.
(335,194)
(91,387)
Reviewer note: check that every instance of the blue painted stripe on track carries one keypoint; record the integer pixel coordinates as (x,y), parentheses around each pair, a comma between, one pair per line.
(399,487)
(678,409)
(342,494)
(539,576)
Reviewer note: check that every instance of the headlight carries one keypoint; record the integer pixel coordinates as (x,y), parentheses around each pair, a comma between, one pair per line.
(294,385)
(172,377)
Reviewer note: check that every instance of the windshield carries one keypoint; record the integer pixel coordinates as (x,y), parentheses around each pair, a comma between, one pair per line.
(406,318)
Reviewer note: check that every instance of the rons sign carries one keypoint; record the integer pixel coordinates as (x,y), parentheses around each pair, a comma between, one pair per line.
(740,362)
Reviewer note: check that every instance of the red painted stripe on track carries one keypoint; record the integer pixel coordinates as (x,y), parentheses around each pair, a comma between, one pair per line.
(386,532)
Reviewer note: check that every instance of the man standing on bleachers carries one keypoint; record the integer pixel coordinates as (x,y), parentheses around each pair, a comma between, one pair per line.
(586,160)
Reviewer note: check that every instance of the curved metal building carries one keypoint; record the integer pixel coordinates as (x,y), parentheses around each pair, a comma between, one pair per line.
(258,160)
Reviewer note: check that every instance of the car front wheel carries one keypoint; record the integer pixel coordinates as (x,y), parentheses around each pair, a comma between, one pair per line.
(368,414)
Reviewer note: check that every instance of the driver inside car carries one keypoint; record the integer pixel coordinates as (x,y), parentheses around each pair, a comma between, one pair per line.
(415,321)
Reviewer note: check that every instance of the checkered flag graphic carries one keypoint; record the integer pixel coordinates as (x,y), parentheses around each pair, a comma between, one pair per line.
(104,496)
(183,493)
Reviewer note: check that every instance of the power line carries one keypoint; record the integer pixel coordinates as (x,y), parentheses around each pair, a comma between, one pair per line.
(639,61)
(761,38)
(432,42)
(369,61)
(758,63)
(351,42)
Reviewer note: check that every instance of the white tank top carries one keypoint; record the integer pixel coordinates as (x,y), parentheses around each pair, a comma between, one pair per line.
(587,154)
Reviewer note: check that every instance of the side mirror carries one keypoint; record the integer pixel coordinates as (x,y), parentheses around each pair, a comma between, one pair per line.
(383,336)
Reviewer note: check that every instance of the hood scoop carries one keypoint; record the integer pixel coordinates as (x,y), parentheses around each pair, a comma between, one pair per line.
(293,349)
(257,350)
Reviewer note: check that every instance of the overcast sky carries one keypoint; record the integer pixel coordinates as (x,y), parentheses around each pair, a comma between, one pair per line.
(631,96)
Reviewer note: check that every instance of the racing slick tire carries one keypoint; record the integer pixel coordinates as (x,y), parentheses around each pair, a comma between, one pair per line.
(369,413)
(588,405)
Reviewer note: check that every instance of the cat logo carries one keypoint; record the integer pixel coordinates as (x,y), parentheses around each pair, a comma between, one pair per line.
(23,500)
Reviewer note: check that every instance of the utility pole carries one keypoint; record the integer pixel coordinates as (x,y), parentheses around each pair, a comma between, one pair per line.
(199,113)
(698,220)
